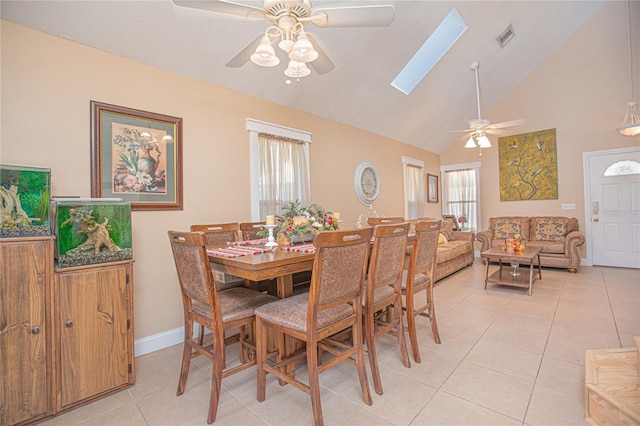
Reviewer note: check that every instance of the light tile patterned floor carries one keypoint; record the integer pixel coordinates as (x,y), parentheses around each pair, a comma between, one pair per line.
(505,359)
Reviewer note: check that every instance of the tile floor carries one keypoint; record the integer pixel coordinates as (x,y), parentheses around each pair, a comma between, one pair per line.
(505,359)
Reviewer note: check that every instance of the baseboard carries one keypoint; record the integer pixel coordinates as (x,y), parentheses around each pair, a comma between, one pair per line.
(162,340)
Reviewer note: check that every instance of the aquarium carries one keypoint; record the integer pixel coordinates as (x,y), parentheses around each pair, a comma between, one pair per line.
(24,201)
(91,230)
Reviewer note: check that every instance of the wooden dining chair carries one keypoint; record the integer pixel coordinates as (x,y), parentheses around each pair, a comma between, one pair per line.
(249,230)
(218,311)
(371,221)
(218,234)
(333,304)
(382,301)
(418,277)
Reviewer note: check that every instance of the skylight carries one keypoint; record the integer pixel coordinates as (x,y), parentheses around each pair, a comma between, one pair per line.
(438,43)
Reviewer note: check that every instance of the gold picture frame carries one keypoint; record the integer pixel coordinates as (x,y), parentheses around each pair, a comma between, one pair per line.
(137,156)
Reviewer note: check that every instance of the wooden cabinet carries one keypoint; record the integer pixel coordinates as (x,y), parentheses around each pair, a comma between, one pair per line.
(66,335)
(93,327)
(26,270)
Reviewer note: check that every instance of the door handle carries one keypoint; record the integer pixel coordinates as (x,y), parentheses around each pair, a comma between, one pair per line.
(595,219)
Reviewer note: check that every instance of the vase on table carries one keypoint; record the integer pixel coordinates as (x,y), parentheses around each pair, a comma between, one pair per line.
(515,266)
(283,239)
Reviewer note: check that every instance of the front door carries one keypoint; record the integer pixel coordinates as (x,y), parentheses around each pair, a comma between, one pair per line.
(613,207)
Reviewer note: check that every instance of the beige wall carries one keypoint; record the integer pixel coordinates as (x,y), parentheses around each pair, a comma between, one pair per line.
(581,90)
(47,83)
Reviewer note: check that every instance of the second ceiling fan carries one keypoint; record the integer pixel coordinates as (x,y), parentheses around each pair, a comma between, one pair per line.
(480,127)
(287,20)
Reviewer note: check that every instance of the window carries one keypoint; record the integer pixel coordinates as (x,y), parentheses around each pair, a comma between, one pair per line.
(461,194)
(279,167)
(620,168)
(413,188)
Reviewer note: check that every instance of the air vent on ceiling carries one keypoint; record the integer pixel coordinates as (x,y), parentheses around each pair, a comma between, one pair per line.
(505,36)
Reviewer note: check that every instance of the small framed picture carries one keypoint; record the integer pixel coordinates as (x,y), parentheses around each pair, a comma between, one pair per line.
(451,218)
(432,188)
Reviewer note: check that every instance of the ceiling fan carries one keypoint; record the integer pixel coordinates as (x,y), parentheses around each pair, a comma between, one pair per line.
(286,20)
(480,127)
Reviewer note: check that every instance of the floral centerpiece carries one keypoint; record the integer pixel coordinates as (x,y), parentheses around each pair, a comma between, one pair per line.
(299,220)
(303,220)
(462,220)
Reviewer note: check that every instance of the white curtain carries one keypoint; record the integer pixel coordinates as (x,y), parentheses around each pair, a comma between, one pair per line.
(414,192)
(284,177)
(461,196)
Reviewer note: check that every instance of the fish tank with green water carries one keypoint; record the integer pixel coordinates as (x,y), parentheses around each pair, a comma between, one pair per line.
(24,201)
(91,230)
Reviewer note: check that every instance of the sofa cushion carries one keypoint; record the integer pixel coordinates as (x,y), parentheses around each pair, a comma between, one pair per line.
(447,229)
(451,250)
(505,228)
(549,228)
(442,239)
(556,247)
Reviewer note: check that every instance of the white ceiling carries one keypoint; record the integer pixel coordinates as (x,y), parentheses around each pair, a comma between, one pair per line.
(357,92)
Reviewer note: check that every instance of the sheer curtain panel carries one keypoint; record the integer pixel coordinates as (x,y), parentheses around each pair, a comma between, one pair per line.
(414,192)
(413,188)
(283,173)
(460,197)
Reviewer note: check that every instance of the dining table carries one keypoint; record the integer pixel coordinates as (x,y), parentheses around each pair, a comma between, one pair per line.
(252,261)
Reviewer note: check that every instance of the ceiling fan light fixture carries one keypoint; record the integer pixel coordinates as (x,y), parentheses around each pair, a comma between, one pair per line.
(297,69)
(483,140)
(631,124)
(303,50)
(265,56)
(470,143)
(286,44)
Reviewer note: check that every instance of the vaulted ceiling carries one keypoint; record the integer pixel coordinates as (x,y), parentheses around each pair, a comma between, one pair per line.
(198,43)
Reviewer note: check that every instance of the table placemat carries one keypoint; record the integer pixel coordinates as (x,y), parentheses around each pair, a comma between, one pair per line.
(304,248)
(236,251)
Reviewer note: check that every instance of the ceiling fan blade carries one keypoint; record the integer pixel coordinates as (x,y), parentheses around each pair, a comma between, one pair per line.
(504,124)
(245,54)
(322,64)
(224,6)
(372,15)
(498,132)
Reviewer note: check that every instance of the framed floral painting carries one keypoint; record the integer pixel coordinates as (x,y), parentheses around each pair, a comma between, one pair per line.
(137,156)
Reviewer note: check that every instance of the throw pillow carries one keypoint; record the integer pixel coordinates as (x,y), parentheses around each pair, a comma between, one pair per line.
(551,229)
(442,239)
(447,229)
(505,228)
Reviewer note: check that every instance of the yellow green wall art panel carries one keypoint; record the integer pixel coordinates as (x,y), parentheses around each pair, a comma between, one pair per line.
(528,166)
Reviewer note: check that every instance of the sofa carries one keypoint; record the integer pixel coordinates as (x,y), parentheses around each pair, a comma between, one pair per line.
(454,252)
(557,236)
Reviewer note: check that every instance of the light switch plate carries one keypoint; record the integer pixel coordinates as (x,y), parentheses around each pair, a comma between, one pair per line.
(568,206)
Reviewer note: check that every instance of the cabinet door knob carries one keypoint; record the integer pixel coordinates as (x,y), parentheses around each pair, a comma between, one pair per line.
(69,324)
(35,330)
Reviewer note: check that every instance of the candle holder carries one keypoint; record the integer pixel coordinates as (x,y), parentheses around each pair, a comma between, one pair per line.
(271,242)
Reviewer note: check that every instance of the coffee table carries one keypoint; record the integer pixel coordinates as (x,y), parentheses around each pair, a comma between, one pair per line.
(510,276)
